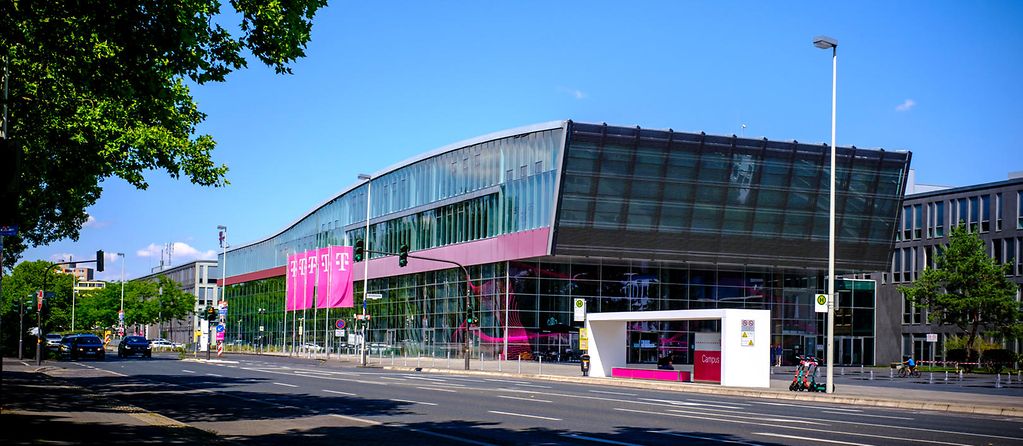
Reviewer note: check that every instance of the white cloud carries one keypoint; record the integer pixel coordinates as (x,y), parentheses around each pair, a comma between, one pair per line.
(92,222)
(578,94)
(905,105)
(183,252)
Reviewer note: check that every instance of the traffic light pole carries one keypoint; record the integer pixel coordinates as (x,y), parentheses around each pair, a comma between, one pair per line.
(402,256)
(39,304)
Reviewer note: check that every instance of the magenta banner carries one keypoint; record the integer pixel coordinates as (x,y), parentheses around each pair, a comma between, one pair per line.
(339,265)
(322,277)
(291,284)
(327,272)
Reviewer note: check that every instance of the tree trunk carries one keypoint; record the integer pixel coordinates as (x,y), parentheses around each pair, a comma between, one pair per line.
(974,327)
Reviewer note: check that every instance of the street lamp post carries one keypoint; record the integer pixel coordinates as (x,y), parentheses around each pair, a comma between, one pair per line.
(223,274)
(120,316)
(824,42)
(365,271)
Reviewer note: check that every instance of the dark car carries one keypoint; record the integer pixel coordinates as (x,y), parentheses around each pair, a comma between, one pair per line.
(82,346)
(135,345)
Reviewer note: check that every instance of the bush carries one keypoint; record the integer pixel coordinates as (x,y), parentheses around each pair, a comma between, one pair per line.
(962,355)
(998,359)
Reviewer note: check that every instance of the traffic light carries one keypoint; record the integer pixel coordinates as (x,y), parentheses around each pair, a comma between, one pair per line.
(99,261)
(403,256)
(360,250)
(211,313)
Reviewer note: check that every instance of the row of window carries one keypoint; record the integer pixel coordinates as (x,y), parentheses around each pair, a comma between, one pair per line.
(909,262)
(975,212)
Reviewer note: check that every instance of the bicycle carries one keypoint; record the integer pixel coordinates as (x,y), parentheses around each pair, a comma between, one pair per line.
(905,372)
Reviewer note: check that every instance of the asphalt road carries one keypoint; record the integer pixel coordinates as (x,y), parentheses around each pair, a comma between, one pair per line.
(273,400)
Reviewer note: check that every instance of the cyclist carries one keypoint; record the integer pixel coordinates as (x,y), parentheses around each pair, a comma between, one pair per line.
(910,365)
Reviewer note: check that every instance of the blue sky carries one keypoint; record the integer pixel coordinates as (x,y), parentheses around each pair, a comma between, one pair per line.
(385,81)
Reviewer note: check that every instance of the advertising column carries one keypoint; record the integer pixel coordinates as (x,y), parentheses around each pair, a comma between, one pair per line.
(707,358)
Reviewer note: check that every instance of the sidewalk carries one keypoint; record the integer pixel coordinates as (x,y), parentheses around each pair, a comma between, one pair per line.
(40,407)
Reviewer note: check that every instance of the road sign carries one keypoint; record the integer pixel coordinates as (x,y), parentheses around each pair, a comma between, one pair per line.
(374,296)
(932,337)
(261,328)
(9,231)
(363,316)
(39,299)
(578,309)
(220,328)
(339,333)
(820,302)
(340,324)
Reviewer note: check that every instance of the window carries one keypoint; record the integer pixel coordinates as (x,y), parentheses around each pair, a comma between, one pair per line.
(1019,209)
(998,211)
(985,213)
(907,222)
(974,220)
(962,212)
(918,215)
(939,219)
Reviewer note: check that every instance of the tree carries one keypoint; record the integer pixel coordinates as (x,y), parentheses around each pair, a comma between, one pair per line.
(19,294)
(145,303)
(968,289)
(98,89)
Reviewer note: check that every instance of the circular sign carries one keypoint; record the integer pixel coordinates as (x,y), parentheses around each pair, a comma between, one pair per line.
(579,303)
(822,299)
(340,324)
(220,328)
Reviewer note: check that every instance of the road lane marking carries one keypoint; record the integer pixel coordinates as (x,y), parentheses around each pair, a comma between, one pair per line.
(812,440)
(360,420)
(391,377)
(815,429)
(719,402)
(613,393)
(887,417)
(523,415)
(412,402)
(187,371)
(599,440)
(534,385)
(285,384)
(505,381)
(686,403)
(700,437)
(214,374)
(339,392)
(450,437)
(523,399)
(317,377)
(439,390)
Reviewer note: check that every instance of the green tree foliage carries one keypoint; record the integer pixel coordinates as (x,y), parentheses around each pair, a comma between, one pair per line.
(98,89)
(144,303)
(19,294)
(968,289)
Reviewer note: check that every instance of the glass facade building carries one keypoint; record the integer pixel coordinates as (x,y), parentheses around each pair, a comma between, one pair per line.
(629,219)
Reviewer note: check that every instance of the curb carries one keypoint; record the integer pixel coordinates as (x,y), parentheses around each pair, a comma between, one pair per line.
(746,392)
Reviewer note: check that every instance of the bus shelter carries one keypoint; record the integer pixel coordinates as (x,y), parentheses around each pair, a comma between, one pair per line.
(745,351)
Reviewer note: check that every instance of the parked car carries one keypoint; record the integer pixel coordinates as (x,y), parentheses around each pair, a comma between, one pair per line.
(53,340)
(311,347)
(165,344)
(82,346)
(134,345)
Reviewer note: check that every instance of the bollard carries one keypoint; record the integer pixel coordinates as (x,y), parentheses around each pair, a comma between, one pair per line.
(861,369)
(540,370)
(499,361)
(891,373)
(1008,378)
(946,375)
(418,357)
(520,363)
(960,375)
(998,381)
(930,378)
(481,361)
(871,375)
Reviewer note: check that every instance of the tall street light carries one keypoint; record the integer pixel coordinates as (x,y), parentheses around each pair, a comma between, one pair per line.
(365,271)
(824,42)
(120,316)
(223,275)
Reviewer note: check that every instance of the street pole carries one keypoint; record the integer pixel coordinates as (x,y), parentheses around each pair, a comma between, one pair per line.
(71,258)
(120,330)
(21,329)
(824,42)
(365,270)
